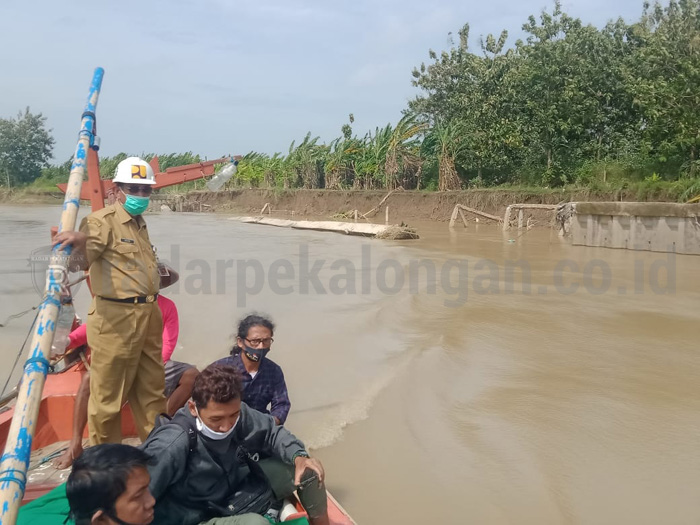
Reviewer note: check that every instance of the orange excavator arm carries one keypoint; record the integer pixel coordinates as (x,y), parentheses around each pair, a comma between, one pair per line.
(97,189)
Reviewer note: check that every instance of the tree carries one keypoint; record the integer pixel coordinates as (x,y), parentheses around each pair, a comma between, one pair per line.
(25,147)
(446,142)
(547,92)
(603,113)
(475,92)
(306,161)
(664,75)
(402,149)
(340,166)
(372,164)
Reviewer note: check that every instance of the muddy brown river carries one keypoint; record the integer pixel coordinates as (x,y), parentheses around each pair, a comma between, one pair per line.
(472,376)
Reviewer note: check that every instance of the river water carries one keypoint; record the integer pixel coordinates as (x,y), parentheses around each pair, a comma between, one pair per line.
(472,376)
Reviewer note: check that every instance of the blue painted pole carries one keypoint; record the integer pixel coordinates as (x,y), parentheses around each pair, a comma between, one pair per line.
(15,458)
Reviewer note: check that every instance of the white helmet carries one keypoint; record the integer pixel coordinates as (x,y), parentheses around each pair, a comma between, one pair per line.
(134,171)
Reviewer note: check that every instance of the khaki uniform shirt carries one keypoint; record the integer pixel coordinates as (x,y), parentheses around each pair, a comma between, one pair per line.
(120,255)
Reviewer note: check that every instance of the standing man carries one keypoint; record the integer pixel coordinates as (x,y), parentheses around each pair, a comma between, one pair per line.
(124,324)
(179,376)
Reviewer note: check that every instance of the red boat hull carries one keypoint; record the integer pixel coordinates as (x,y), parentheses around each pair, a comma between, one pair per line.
(55,424)
(55,420)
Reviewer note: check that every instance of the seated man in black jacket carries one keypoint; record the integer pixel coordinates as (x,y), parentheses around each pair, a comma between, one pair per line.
(207,466)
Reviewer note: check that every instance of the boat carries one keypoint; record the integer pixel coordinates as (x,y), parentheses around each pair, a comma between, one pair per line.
(43,424)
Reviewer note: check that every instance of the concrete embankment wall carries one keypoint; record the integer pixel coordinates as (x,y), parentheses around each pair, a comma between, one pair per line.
(650,226)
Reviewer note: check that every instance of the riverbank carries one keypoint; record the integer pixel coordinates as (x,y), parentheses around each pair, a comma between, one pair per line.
(30,196)
(403,205)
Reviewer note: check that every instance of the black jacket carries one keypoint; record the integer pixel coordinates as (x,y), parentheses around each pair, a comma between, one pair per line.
(183,482)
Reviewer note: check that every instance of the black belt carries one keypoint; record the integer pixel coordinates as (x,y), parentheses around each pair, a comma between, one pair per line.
(133,300)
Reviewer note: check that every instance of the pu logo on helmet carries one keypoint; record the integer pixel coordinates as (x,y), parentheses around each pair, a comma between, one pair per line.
(138,171)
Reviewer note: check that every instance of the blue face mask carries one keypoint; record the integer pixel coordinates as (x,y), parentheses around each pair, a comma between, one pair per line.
(135,204)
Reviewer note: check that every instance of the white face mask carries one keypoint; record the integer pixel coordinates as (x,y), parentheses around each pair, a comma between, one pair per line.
(213,434)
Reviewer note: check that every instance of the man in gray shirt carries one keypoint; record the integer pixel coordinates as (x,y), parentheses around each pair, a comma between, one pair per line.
(207,468)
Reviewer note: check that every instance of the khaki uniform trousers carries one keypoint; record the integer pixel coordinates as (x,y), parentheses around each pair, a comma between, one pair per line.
(126,365)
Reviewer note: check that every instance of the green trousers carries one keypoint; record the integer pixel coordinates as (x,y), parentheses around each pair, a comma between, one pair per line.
(243,519)
(281,477)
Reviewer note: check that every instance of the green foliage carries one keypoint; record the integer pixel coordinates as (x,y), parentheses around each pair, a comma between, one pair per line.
(172,160)
(25,148)
(52,175)
(258,169)
(664,75)
(615,108)
(572,102)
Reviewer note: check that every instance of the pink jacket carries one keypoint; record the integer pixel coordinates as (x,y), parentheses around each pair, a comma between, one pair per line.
(171,329)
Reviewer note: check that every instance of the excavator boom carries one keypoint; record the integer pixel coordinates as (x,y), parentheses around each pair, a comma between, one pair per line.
(97,189)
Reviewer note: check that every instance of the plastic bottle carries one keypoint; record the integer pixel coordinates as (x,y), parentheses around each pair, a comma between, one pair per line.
(287,510)
(221,178)
(64,325)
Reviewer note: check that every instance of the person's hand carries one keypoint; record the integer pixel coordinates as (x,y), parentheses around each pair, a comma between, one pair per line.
(301,464)
(75,239)
(78,241)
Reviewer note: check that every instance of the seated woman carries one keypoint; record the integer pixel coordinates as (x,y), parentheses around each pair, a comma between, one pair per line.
(179,377)
(263,380)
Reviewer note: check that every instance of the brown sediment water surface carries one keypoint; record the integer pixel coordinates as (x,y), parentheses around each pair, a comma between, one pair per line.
(472,376)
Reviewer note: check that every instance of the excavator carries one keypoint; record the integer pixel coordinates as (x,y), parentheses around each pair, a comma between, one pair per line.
(97,190)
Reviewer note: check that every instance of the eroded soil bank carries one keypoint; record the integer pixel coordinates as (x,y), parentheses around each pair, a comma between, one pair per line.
(403,205)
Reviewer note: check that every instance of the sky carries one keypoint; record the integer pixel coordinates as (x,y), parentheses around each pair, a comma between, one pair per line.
(220,77)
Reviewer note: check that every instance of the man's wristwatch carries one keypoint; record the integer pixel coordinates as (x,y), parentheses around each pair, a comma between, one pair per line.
(302,454)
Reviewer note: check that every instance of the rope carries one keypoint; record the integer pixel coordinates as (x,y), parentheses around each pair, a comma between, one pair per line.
(19,354)
(40,360)
(10,475)
(65,290)
(17,316)
(48,458)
